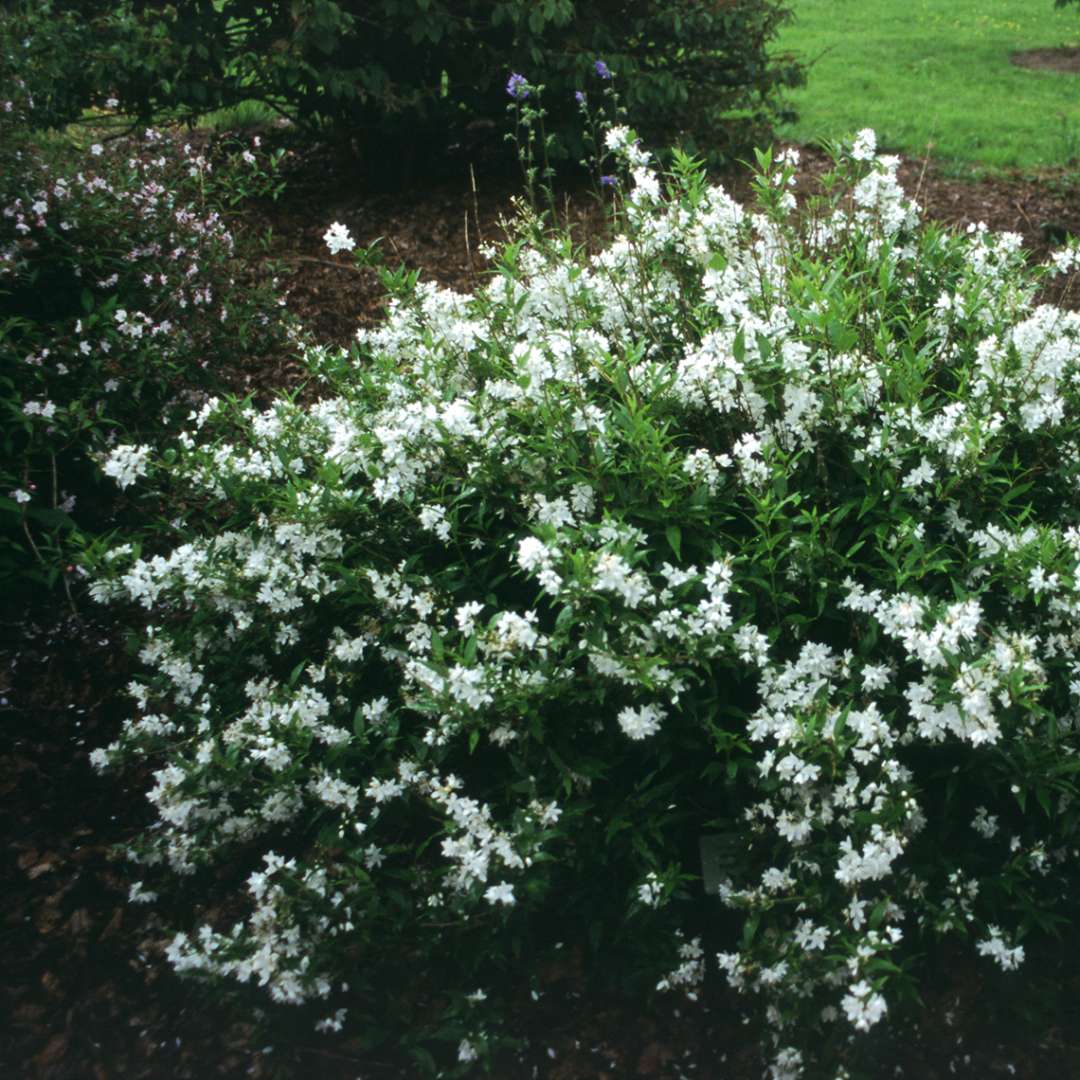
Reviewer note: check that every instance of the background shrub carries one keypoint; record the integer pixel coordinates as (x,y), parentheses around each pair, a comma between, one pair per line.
(754,525)
(411,76)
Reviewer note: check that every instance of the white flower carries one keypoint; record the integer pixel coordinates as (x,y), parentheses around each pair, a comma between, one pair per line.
(811,937)
(651,890)
(501,894)
(126,464)
(640,723)
(433,519)
(384,790)
(875,676)
(45,409)
(985,823)
(332,1023)
(616,137)
(138,895)
(1066,260)
(862,1006)
(465,616)
(337,238)
(873,862)
(20,496)
(531,553)
(922,474)
(646,184)
(1039,581)
(994,947)
(865,145)
(613,574)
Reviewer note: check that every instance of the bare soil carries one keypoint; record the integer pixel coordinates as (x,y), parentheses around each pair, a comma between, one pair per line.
(1065,58)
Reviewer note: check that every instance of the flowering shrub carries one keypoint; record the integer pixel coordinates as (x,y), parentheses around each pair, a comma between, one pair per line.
(760,523)
(118,302)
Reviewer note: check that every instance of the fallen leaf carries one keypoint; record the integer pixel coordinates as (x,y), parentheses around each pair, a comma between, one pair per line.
(80,921)
(54,1050)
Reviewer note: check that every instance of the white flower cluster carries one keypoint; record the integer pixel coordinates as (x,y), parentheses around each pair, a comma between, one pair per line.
(126,464)
(1008,959)
(337,238)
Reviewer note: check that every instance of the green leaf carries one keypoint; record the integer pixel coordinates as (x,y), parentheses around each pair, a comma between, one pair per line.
(425,1060)
(52,519)
(750,929)
(674,538)
(878,913)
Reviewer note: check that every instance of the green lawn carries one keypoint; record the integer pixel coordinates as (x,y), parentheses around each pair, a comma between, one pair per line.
(920,72)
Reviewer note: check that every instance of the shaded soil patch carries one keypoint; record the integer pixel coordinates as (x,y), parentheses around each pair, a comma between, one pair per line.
(1065,58)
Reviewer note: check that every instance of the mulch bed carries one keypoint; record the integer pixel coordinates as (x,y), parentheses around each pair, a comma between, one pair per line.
(84,994)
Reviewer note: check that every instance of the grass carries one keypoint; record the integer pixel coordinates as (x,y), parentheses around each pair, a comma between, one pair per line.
(241,117)
(937,73)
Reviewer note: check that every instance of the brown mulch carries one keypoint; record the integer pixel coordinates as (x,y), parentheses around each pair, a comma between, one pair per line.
(84,993)
(438,229)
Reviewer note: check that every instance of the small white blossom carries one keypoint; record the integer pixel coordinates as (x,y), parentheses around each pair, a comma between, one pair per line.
(862,1006)
(126,464)
(500,894)
(337,238)
(1008,959)
(642,722)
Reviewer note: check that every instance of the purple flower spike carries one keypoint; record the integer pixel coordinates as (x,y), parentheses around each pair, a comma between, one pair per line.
(608,181)
(602,69)
(517,87)
(579,97)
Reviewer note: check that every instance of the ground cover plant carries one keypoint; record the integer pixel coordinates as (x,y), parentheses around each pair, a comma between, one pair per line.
(940,75)
(754,525)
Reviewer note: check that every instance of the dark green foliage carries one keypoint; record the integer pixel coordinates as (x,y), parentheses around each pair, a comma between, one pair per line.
(414,73)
